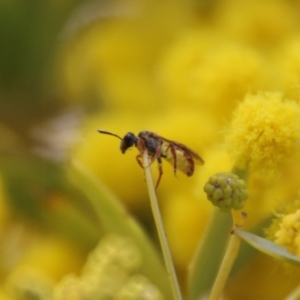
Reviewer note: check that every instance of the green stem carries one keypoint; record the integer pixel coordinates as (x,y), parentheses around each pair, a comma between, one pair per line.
(226,266)
(160,229)
(232,248)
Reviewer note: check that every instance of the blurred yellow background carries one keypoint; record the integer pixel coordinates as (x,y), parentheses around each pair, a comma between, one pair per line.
(178,68)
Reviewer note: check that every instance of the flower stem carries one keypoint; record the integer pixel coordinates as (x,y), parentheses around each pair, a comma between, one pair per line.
(294,295)
(225,268)
(160,229)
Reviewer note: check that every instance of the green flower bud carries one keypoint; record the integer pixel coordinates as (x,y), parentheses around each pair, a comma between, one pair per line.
(227,191)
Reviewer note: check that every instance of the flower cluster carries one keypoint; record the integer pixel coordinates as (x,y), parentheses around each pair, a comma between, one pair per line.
(288,234)
(111,272)
(285,228)
(265,132)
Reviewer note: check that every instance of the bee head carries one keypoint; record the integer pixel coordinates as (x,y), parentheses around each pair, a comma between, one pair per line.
(128,141)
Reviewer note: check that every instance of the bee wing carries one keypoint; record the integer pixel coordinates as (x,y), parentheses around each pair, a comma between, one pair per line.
(196,156)
(198,159)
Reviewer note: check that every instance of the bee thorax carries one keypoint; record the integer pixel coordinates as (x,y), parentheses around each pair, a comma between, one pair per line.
(152,145)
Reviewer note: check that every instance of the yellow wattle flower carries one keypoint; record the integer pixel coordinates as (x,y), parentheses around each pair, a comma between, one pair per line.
(285,228)
(255,26)
(203,70)
(288,234)
(111,272)
(265,132)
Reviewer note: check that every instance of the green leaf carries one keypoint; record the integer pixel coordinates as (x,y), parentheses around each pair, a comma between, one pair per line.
(247,252)
(209,255)
(267,246)
(30,182)
(113,216)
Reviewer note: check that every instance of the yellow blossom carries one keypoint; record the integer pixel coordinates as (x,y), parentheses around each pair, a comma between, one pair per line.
(287,63)
(265,132)
(204,70)
(139,287)
(261,23)
(285,228)
(111,272)
(289,233)
(269,193)
(115,60)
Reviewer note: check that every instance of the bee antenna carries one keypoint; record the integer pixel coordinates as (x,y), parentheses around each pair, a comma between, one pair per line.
(109,133)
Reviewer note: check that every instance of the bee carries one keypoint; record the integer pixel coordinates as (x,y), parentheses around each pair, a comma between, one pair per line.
(180,156)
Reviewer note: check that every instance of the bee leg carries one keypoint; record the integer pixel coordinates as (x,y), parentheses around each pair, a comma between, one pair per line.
(160,171)
(140,144)
(152,158)
(157,154)
(141,147)
(138,159)
(173,152)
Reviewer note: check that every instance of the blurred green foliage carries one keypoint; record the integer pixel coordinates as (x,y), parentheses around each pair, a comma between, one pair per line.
(29,33)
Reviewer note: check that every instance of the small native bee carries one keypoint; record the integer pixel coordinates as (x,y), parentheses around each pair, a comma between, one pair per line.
(180,156)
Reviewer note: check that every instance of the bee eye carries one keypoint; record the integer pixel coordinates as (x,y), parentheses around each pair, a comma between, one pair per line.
(128,141)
